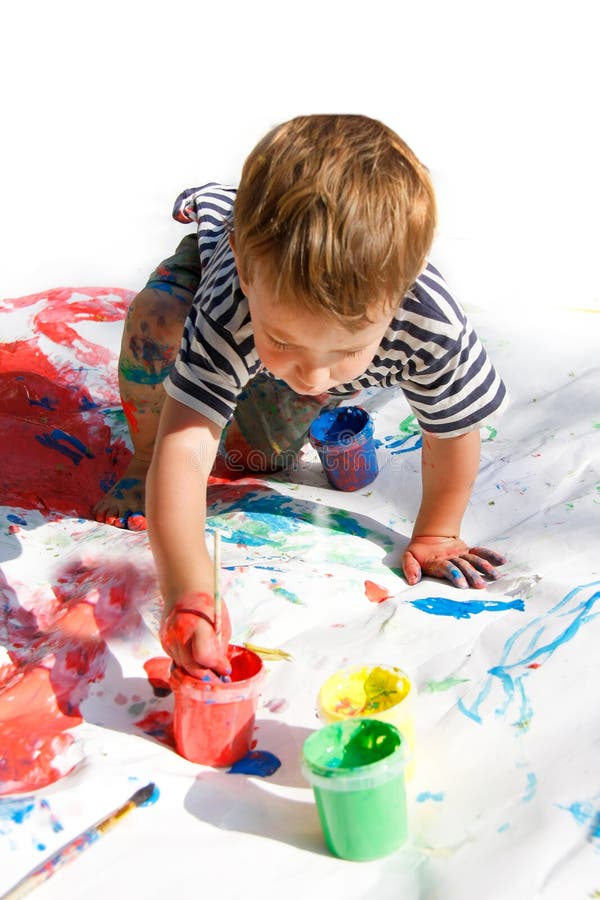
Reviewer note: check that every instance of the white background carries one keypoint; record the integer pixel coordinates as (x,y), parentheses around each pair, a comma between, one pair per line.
(111,108)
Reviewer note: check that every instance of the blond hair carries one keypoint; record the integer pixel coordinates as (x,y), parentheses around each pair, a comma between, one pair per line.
(342,211)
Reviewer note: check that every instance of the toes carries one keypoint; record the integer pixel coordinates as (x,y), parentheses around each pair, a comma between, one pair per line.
(116,521)
(136,522)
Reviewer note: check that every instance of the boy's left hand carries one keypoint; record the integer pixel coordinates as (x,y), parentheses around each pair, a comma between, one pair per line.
(450,558)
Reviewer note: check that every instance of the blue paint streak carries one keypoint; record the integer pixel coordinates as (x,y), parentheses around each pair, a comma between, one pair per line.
(428,795)
(460,609)
(586,814)
(16,810)
(511,659)
(246,538)
(285,514)
(45,403)
(504,827)
(125,484)
(16,520)
(531,787)
(59,440)
(281,592)
(257,762)
(399,442)
(55,824)
(581,812)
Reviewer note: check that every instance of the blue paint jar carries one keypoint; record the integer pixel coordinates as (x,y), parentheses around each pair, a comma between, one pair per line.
(343,438)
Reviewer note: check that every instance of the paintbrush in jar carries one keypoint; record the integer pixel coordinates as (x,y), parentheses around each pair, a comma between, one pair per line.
(217,581)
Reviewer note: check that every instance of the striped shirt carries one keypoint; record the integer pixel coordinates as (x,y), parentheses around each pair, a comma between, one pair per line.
(430,349)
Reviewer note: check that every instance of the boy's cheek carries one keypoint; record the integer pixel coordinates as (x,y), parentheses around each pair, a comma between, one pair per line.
(348,371)
(271,363)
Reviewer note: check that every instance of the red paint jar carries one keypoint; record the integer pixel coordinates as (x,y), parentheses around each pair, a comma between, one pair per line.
(213,720)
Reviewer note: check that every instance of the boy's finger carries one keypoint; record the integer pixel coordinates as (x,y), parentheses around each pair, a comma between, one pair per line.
(482,565)
(207,653)
(469,570)
(411,568)
(496,559)
(446,569)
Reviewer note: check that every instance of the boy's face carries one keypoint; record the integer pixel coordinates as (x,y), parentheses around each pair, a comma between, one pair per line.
(311,353)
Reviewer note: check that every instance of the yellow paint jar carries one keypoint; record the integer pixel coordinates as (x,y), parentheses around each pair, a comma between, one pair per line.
(374,692)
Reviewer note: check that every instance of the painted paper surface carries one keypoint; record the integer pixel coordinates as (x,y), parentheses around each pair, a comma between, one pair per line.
(506,790)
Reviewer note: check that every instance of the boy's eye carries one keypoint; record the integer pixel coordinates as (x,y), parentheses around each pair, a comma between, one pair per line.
(355,352)
(278,344)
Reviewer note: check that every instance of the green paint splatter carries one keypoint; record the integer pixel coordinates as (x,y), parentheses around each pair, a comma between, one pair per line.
(136,709)
(293,598)
(491,433)
(409,425)
(434,687)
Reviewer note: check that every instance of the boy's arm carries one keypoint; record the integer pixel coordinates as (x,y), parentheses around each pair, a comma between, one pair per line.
(176,485)
(449,467)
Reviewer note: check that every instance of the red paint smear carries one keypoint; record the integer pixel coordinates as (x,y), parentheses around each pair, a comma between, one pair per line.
(130,409)
(534,665)
(63,306)
(159,725)
(158,670)
(56,653)
(375,593)
(61,454)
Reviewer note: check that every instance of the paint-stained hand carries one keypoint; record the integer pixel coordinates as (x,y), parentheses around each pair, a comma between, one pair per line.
(188,635)
(450,559)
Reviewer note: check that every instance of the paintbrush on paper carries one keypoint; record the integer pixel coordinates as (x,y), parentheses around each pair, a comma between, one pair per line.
(268,652)
(217,580)
(75,847)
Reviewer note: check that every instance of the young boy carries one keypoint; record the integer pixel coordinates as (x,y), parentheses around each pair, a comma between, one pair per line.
(316,287)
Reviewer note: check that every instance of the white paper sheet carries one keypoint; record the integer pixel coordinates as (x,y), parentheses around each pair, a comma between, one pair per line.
(505,801)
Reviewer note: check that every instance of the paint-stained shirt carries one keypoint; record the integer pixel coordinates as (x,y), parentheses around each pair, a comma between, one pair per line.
(430,349)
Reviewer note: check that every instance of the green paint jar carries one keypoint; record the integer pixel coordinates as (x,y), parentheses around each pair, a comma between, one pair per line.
(356,770)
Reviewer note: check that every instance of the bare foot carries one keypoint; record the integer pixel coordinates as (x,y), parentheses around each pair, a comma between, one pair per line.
(124,505)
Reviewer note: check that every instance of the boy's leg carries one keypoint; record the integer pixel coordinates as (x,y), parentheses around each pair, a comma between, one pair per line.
(269,427)
(149,346)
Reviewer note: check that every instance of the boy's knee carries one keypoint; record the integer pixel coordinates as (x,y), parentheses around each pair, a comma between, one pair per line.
(156,314)
(151,338)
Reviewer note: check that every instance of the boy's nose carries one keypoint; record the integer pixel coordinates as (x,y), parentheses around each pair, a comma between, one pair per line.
(313,379)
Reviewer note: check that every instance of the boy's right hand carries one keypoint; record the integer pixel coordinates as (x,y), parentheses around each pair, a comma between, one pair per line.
(187,634)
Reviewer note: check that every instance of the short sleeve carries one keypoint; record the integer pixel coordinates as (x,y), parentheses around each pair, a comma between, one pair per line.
(217,356)
(447,376)
(211,207)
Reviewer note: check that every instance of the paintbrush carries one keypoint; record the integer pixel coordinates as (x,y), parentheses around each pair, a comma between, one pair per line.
(217,580)
(75,847)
